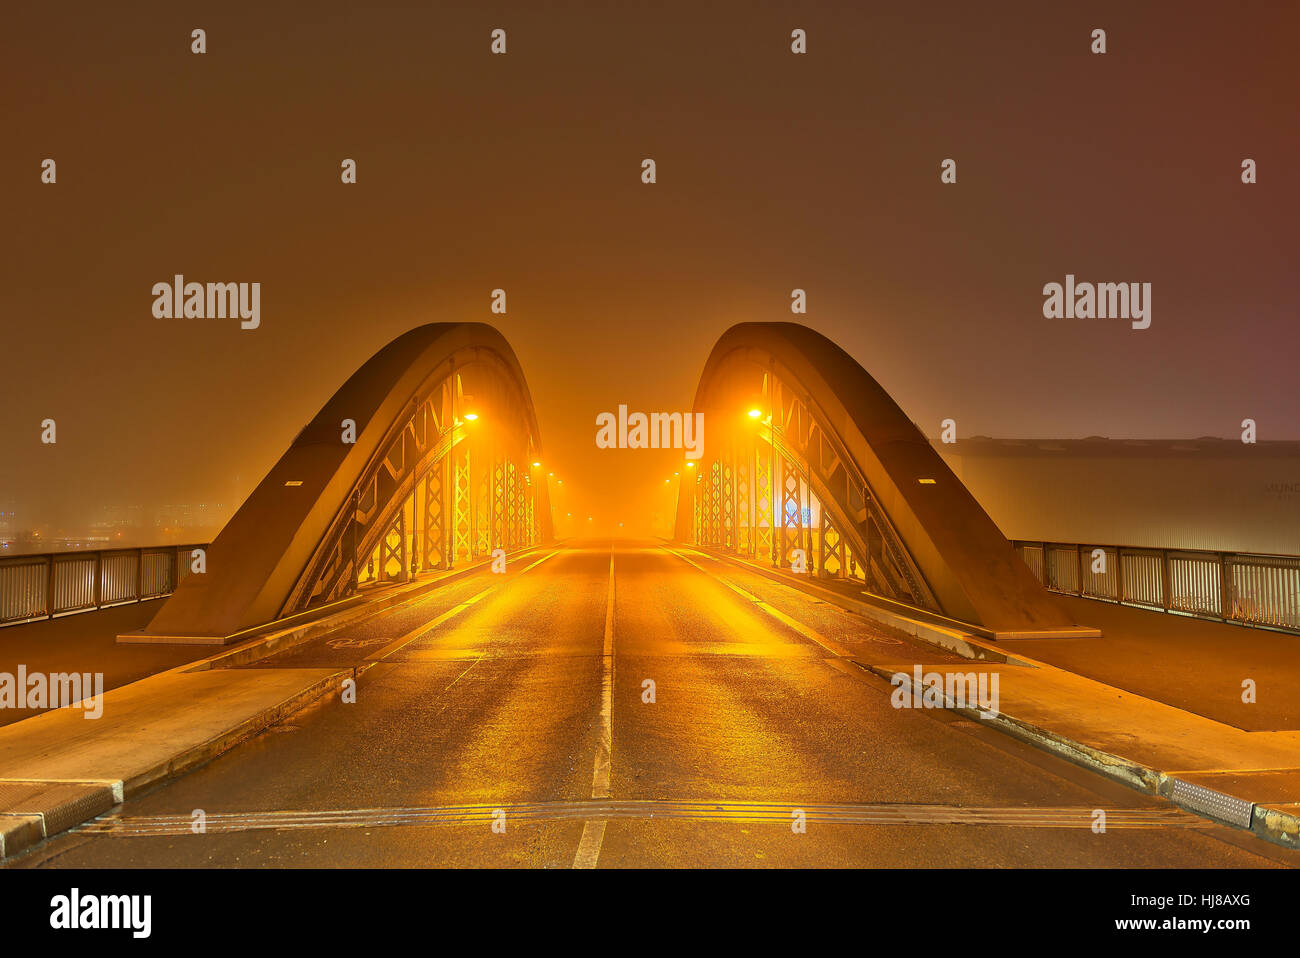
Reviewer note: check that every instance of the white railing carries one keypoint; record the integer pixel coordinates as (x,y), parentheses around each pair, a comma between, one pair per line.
(49,584)
(1241,587)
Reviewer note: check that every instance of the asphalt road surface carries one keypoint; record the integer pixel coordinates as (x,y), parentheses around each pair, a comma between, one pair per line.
(628,704)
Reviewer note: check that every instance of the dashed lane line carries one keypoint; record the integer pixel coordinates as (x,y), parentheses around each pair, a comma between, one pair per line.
(426,627)
(593,831)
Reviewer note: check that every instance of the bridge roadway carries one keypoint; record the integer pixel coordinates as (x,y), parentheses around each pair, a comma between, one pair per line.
(520,700)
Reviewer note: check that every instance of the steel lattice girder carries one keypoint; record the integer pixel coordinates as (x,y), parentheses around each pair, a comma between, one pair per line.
(907,524)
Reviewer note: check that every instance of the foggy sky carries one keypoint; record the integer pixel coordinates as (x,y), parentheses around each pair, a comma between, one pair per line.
(522,171)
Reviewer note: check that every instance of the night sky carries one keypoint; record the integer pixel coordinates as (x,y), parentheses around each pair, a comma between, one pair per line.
(522,171)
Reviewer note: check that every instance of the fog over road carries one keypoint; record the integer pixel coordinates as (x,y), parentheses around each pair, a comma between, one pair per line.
(521,702)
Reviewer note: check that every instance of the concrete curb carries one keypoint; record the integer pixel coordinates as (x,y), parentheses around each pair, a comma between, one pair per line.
(19,833)
(1277,826)
(31,811)
(1273,824)
(205,752)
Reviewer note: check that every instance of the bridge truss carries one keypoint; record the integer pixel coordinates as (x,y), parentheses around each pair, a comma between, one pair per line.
(779,483)
(453,482)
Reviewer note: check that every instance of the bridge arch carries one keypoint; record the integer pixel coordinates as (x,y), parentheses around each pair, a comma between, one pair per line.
(440,474)
(804,450)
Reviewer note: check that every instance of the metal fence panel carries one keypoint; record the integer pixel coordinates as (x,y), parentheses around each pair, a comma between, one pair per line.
(74,583)
(1266,592)
(156,577)
(1100,573)
(120,578)
(1061,568)
(1143,575)
(23,586)
(1032,554)
(1195,584)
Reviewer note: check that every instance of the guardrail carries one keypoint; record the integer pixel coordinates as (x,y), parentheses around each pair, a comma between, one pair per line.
(1237,587)
(50,584)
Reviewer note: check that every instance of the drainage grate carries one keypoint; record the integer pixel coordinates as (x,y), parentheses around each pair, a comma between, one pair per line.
(1207,801)
(719,812)
(60,805)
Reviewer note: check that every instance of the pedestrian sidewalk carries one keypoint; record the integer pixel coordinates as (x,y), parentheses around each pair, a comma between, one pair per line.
(1194,664)
(61,768)
(87,642)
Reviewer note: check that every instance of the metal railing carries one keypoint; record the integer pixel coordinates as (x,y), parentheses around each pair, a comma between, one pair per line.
(50,584)
(1237,587)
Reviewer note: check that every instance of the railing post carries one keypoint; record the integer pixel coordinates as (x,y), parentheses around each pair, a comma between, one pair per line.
(1078,566)
(139,573)
(49,590)
(1165,597)
(1119,574)
(98,593)
(1226,611)
(351,541)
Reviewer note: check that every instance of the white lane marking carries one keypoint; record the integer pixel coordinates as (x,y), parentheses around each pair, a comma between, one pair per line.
(811,634)
(534,565)
(593,832)
(429,626)
(432,624)
(605,751)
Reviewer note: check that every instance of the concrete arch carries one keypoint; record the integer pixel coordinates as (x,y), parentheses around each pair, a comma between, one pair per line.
(888,509)
(303,536)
